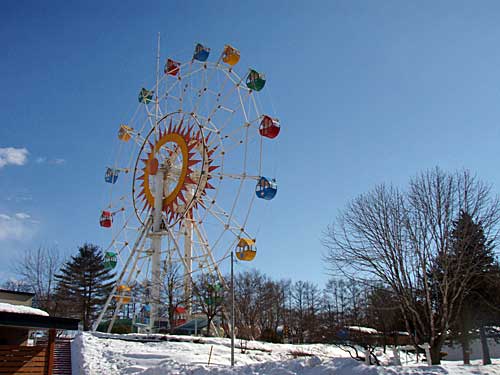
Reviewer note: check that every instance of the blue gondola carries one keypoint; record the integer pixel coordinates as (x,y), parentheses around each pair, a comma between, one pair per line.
(145,96)
(201,52)
(266,188)
(111,175)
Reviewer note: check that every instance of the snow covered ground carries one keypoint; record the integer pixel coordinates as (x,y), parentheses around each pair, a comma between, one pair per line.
(106,354)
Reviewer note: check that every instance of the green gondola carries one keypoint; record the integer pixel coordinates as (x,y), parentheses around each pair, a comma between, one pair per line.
(110,260)
(255,80)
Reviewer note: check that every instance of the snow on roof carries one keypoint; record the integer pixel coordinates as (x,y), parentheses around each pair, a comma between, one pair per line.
(403,333)
(370,331)
(19,309)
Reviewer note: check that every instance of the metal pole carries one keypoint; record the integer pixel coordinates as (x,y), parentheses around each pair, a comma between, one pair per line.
(232,310)
(188,255)
(157,101)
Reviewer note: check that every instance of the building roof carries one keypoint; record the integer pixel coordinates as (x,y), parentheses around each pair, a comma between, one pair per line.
(9,319)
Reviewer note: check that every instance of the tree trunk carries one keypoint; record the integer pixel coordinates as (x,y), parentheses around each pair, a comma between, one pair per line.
(464,340)
(209,323)
(484,346)
(435,354)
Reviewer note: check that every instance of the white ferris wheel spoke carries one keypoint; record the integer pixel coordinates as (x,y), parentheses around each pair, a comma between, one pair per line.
(230,223)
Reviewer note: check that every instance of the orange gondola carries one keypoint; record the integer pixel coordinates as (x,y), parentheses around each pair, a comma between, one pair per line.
(124,133)
(124,294)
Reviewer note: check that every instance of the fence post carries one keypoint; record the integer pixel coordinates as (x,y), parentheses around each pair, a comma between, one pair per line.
(210,355)
(51,350)
(427,348)
(397,359)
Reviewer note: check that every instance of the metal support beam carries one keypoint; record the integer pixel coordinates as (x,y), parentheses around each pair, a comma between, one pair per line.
(122,274)
(188,255)
(156,237)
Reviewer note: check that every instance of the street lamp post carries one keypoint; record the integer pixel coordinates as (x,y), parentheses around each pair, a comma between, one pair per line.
(232,310)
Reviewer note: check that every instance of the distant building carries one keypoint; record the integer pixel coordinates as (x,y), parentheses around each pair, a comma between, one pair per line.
(16,298)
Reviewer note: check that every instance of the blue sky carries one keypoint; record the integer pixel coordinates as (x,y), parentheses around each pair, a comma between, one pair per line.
(367,92)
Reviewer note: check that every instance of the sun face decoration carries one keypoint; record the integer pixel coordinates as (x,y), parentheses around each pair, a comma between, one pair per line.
(184,158)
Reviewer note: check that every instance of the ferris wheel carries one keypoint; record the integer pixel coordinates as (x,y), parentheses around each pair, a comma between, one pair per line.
(187,170)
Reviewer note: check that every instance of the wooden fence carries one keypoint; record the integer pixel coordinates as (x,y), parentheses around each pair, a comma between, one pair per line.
(15,359)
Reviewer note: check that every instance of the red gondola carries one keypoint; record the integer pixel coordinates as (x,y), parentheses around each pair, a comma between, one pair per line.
(269,127)
(172,67)
(106,219)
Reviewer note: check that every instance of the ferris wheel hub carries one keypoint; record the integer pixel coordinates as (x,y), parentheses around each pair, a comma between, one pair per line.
(181,150)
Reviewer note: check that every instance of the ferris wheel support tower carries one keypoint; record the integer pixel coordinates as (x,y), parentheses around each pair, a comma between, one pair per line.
(156,240)
(156,235)
(188,264)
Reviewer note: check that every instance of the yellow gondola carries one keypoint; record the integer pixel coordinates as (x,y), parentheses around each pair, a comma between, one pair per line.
(245,250)
(124,294)
(230,55)
(124,133)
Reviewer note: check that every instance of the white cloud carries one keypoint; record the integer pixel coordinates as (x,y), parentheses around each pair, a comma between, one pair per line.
(22,216)
(16,227)
(53,161)
(13,156)
(19,197)
(58,161)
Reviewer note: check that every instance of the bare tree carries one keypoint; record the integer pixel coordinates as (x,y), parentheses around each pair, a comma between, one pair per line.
(395,236)
(300,308)
(37,268)
(172,291)
(209,297)
(354,295)
(16,286)
(335,302)
(312,302)
(248,288)
(271,299)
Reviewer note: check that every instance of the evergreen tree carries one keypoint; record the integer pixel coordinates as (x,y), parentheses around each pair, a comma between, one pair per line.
(472,256)
(84,284)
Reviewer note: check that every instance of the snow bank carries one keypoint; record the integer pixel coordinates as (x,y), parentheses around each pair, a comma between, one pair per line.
(454,352)
(18,309)
(122,354)
(311,366)
(77,354)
